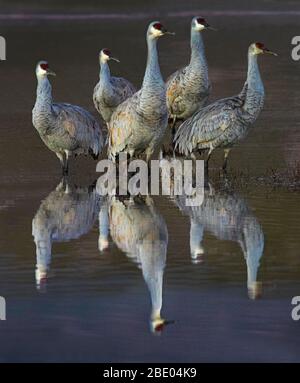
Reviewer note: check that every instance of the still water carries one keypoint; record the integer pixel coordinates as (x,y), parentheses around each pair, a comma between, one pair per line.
(87,279)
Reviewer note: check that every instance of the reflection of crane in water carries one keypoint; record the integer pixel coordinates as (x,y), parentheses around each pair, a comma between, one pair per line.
(141,232)
(228,217)
(67,213)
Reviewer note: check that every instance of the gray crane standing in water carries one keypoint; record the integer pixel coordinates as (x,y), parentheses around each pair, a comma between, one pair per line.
(188,88)
(139,123)
(225,122)
(110,91)
(65,129)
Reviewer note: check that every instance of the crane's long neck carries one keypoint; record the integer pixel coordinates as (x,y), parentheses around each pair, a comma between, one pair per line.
(255,88)
(152,73)
(104,74)
(42,239)
(196,238)
(153,88)
(43,96)
(252,245)
(198,60)
(153,259)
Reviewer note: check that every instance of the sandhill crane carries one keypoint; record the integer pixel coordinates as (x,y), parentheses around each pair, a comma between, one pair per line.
(141,232)
(225,122)
(65,129)
(188,88)
(228,217)
(67,213)
(110,91)
(139,123)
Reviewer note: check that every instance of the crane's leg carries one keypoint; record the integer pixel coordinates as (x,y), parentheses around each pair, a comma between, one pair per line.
(207,161)
(173,130)
(62,160)
(226,153)
(131,154)
(68,155)
(148,154)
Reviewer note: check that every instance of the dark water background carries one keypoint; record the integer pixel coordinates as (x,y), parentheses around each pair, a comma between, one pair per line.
(96,306)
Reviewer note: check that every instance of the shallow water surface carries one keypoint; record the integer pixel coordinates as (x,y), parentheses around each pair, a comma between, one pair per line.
(222,275)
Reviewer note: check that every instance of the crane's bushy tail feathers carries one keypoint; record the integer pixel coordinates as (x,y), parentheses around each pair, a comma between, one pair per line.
(183,139)
(93,154)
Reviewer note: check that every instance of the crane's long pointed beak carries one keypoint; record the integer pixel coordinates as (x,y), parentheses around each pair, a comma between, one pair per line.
(270,52)
(167,322)
(207,26)
(50,72)
(169,33)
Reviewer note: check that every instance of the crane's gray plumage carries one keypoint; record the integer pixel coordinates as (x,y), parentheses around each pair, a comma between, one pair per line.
(225,122)
(139,123)
(141,232)
(67,213)
(110,91)
(228,217)
(188,88)
(65,129)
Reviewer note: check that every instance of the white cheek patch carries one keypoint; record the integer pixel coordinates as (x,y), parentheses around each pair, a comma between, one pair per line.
(257,50)
(41,71)
(199,27)
(103,57)
(155,32)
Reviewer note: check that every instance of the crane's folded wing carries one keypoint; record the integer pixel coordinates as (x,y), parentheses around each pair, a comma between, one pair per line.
(80,125)
(207,124)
